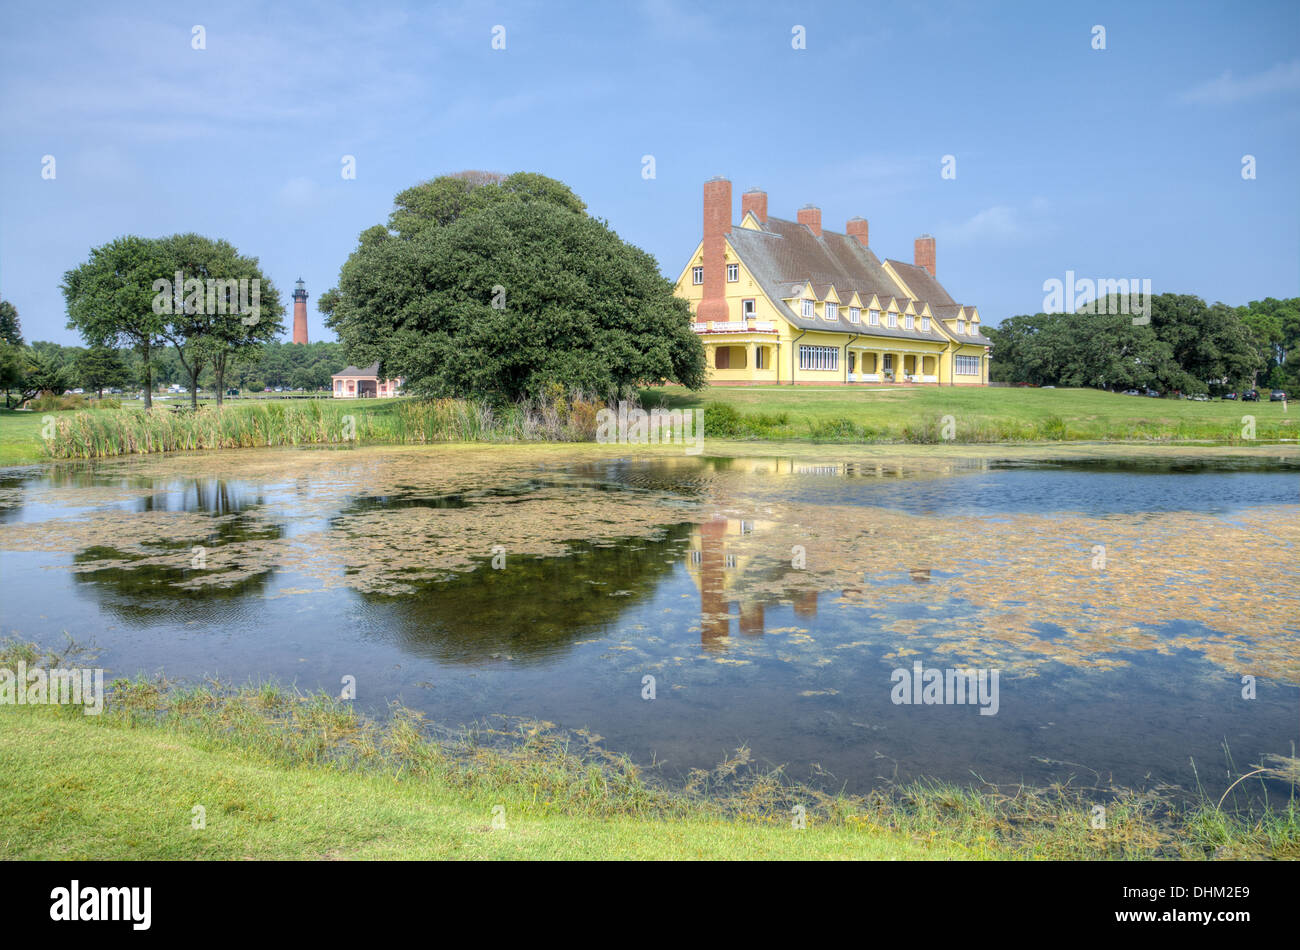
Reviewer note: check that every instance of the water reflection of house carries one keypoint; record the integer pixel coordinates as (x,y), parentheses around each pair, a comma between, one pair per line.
(720,566)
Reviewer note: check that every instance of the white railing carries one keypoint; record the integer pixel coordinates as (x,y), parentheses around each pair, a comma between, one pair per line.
(929,379)
(871,377)
(734,326)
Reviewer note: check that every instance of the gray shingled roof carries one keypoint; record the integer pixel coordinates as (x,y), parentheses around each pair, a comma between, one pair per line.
(371,370)
(787,253)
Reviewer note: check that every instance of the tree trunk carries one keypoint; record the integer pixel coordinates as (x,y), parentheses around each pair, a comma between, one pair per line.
(148,376)
(219,370)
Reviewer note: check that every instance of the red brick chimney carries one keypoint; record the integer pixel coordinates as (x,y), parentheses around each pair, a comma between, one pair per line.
(756,201)
(923,253)
(857,227)
(299,313)
(717,222)
(811,215)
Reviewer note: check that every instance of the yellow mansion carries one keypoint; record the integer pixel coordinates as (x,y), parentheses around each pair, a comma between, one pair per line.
(780,302)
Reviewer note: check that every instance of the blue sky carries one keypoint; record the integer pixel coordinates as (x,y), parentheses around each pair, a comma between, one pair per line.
(1123,162)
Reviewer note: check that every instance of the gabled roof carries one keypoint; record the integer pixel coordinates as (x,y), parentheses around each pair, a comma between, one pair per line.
(371,370)
(786,253)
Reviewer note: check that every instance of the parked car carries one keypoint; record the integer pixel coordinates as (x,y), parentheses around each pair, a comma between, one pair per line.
(1201,397)
(1152,393)
(1250,396)
(1229,396)
(1131,392)
(1277,396)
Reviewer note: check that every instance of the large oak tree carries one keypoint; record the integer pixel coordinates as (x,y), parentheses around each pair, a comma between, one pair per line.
(482,285)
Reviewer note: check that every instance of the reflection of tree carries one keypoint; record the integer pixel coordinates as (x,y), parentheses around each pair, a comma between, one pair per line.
(142,587)
(534,607)
(12,491)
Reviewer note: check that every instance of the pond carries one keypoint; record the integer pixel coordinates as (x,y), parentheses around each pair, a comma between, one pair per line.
(1126,622)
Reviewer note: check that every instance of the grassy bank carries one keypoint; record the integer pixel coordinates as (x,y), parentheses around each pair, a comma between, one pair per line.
(921,415)
(104,433)
(282,775)
(917,415)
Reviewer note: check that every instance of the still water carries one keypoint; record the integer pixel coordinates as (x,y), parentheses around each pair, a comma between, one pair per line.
(765,602)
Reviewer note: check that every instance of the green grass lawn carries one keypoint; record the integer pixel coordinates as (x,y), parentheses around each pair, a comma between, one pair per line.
(20,437)
(876,415)
(981,414)
(78,790)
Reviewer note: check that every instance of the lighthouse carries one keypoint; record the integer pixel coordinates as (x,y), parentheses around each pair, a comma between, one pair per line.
(299,313)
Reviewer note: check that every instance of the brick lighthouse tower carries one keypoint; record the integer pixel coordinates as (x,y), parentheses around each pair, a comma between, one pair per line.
(299,313)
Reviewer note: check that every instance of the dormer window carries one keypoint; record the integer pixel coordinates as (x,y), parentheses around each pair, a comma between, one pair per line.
(893,319)
(733,273)
(809,309)
(873,317)
(697,275)
(909,322)
(961,327)
(925,324)
(855,315)
(832,311)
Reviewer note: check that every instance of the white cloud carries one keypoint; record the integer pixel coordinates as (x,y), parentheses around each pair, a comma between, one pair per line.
(299,192)
(1284,77)
(1000,223)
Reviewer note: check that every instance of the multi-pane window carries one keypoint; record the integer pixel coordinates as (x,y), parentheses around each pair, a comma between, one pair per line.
(873,317)
(832,311)
(961,326)
(733,273)
(893,319)
(697,275)
(747,308)
(925,324)
(909,321)
(819,357)
(855,315)
(809,310)
(968,365)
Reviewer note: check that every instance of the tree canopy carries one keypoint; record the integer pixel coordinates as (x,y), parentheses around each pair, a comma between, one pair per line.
(126,294)
(499,286)
(1188,346)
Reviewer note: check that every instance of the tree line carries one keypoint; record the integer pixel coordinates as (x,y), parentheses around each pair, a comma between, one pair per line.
(27,370)
(1187,346)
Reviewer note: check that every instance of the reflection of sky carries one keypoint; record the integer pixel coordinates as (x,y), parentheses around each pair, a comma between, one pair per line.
(741,653)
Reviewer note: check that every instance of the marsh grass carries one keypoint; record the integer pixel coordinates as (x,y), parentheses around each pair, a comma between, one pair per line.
(544,772)
(557,416)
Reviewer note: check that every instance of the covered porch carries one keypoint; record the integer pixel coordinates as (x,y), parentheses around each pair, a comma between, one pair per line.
(883,364)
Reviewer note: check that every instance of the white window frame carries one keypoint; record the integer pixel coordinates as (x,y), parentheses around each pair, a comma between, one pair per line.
(925,324)
(961,327)
(893,320)
(809,308)
(966,365)
(733,273)
(697,275)
(873,318)
(909,322)
(831,311)
(855,314)
(752,304)
(819,358)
